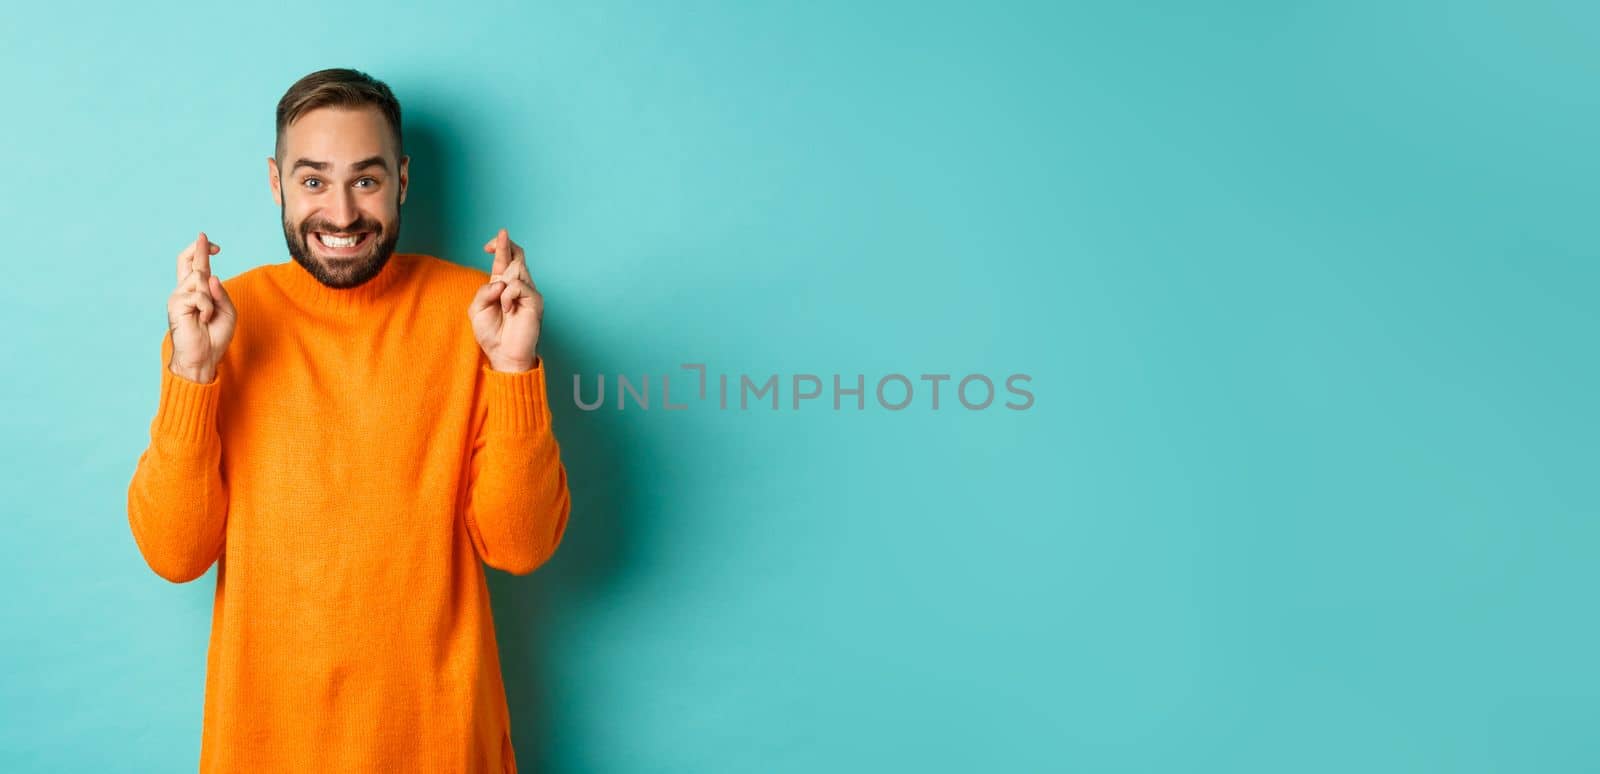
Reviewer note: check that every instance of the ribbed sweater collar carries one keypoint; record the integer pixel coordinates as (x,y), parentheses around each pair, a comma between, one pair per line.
(305,287)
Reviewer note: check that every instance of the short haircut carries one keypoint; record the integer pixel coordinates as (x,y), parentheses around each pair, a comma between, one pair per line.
(337,87)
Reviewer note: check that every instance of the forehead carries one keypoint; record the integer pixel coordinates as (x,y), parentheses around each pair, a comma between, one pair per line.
(339,135)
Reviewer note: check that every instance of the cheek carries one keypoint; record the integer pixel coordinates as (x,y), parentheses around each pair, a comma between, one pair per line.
(385,215)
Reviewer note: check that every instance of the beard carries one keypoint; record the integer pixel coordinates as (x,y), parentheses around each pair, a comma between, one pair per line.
(341,272)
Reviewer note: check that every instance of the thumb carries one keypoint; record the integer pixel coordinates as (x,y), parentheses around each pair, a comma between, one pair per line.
(487,296)
(220,295)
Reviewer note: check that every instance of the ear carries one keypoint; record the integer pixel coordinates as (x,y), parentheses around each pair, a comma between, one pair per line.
(274,181)
(405,176)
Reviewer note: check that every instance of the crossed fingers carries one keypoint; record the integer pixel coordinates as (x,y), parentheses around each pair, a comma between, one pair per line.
(194,260)
(510,262)
(511,267)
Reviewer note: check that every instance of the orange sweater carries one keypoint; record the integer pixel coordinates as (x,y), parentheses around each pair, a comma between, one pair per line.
(350,465)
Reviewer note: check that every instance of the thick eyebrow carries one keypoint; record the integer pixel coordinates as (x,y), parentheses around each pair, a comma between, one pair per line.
(322,166)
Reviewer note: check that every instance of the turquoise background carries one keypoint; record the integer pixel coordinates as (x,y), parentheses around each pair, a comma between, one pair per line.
(1307,292)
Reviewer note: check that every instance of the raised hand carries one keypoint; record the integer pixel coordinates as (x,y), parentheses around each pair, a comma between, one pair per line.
(507,310)
(199,313)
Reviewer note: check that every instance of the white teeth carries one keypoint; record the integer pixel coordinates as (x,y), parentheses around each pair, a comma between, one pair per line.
(333,241)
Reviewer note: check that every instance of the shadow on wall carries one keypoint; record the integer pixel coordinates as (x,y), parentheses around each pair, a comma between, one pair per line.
(426,216)
(593,553)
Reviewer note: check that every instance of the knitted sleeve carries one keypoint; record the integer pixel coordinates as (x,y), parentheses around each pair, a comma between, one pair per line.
(517,500)
(177,500)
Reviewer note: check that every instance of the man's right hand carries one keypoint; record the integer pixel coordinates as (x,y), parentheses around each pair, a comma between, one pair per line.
(200,314)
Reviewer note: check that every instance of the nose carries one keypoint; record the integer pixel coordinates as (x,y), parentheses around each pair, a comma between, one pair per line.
(342,210)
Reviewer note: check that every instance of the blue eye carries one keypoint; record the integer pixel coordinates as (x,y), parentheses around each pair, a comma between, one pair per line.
(309,181)
(374,182)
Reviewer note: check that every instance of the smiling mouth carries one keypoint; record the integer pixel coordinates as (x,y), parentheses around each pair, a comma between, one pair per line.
(342,244)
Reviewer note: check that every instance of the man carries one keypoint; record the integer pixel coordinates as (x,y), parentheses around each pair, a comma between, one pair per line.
(347,434)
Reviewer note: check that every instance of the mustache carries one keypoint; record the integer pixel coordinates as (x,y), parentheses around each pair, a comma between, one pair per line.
(329,228)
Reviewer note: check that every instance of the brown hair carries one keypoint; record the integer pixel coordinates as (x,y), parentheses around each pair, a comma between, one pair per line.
(337,87)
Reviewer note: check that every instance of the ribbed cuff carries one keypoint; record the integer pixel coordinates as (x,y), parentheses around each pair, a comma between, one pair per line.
(188,410)
(516,401)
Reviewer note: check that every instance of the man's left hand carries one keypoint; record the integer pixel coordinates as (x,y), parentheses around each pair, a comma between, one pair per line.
(507,310)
